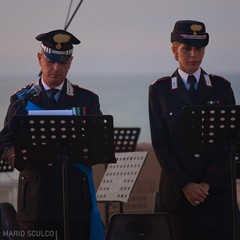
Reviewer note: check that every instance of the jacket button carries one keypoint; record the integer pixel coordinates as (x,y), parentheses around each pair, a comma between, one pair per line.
(197,155)
(23,178)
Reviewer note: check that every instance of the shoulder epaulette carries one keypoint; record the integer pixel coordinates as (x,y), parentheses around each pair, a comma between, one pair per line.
(83,89)
(217,77)
(24,88)
(161,80)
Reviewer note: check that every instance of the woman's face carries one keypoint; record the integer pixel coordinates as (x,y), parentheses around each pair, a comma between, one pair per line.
(188,57)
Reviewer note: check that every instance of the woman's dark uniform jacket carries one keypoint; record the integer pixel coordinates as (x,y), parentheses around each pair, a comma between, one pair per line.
(40,188)
(167,97)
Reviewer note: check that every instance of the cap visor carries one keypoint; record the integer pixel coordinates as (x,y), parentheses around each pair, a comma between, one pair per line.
(57,57)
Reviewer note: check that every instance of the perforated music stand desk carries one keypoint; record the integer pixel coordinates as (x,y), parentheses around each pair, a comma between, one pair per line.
(120,178)
(125,138)
(63,139)
(209,129)
(5,167)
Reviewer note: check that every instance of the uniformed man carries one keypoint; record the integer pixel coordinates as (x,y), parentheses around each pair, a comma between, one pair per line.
(194,188)
(40,205)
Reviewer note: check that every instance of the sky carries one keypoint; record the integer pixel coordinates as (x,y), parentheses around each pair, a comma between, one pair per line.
(128,36)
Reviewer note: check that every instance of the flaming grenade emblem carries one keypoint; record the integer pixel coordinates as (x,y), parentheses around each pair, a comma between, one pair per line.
(196,28)
(61,38)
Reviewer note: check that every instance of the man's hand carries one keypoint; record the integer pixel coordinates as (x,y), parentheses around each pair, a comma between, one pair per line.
(9,156)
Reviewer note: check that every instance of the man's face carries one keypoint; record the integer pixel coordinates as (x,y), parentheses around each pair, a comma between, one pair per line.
(54,73)
(188,57)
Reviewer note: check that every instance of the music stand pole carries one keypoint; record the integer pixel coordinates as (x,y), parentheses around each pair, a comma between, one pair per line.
(232,150)
(64,162)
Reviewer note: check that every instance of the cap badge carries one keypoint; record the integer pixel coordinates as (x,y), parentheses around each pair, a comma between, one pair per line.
(61,38)
(196,28)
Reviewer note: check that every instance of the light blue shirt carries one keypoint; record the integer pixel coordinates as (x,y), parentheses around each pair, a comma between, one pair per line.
(46,87)
(184,77)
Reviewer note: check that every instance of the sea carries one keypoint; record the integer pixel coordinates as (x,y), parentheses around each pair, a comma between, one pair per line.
(124,96)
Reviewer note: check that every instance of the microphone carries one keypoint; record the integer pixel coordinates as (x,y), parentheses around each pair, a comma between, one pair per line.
(34,91)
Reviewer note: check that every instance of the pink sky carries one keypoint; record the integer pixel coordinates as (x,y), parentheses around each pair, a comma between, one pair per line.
(128,36)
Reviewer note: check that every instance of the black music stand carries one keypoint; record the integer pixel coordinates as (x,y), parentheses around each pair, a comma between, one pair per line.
(5,167)
(63,139)
(125,138)
(136,226)
(208,129)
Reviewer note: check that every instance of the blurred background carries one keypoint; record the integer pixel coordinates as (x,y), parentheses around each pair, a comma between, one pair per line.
(125,46)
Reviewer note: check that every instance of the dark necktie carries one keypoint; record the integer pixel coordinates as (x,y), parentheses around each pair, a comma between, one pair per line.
(192,91)
(53,92)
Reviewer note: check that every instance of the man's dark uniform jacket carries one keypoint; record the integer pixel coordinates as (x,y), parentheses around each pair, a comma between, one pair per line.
(167,97)
(40,187)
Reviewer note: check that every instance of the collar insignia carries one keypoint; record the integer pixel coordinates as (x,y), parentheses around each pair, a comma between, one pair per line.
(70,88)
(207,80)
(174,83)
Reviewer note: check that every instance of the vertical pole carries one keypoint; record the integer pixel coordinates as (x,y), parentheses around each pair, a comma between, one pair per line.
(232,149)
(65,196)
